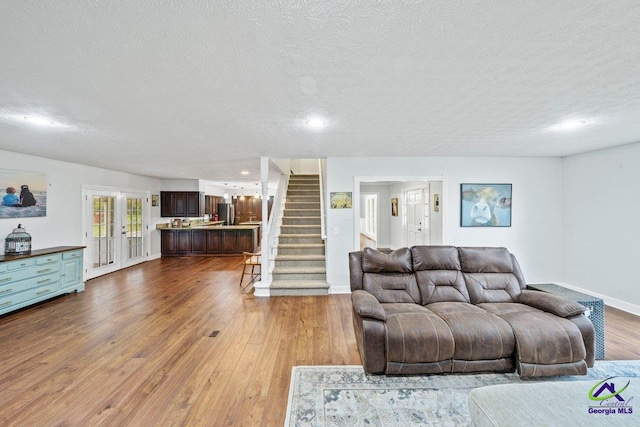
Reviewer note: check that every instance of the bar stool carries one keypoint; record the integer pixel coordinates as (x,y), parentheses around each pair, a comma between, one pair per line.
(250,260)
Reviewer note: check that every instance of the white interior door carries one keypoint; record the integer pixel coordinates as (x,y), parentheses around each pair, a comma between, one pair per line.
(133,229)
(116,230)
(415,217)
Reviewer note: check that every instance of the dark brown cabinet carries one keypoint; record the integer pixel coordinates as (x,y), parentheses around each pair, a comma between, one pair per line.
(168,242)
(250,208)
(209,241)
(199,241)
(211,204)
(181,204)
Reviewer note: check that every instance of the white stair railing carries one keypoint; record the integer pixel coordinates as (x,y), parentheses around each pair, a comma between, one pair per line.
(275,220)
(323,219)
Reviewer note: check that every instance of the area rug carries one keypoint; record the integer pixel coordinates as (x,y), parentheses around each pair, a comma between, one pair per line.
(346,396)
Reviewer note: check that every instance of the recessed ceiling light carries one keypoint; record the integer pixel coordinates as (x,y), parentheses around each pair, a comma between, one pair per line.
(244,173)
(40,121)
(570,125)
(316,123)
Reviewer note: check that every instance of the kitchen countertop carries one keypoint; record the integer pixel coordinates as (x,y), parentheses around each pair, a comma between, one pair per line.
(194,224)
(212,227)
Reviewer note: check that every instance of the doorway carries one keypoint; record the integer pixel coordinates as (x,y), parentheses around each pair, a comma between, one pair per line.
(369,221)
(411,210)
(116,229)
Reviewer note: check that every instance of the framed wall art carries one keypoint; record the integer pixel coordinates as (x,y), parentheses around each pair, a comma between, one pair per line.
(485,205)
(341,200)
(394,206)
(24,194)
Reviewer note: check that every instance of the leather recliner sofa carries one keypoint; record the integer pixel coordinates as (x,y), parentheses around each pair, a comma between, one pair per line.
(439,309)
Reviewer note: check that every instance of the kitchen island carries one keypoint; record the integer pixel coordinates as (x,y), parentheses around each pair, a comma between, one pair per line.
(212,240)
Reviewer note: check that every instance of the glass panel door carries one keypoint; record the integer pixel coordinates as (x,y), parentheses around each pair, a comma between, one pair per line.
(104,217)
(116,230)
(133,234)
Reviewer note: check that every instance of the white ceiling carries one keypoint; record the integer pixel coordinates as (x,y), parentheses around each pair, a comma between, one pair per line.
(201,89)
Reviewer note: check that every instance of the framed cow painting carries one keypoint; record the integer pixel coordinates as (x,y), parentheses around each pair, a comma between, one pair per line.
(485,205)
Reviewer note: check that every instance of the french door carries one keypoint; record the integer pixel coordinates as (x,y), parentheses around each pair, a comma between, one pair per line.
(116,230)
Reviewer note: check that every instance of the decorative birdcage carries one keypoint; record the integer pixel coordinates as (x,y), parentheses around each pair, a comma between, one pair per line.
(18,242)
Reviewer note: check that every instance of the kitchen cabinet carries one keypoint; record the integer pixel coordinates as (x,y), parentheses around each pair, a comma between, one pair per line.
(38,276)
(222,240)
(211,204)
(250,208)
(182,204)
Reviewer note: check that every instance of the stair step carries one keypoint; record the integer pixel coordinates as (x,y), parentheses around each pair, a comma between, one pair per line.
(301,248)
(298,287)
(304,176)
(303,205)
(300,260)
(299,273)
(301,212)
(307,193)
(301,220)
(301,238)
(299,229)
(302,185)
(302,199)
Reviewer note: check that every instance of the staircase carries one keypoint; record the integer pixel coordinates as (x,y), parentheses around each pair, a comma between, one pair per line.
(300,264)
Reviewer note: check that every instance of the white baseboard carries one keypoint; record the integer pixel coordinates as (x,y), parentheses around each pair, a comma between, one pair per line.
(261,289)
(339,289)
(613,302)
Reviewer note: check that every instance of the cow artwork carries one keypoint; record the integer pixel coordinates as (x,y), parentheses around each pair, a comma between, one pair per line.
(485,205)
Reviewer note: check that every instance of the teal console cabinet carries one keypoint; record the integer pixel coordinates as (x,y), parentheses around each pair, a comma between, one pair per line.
(40,275)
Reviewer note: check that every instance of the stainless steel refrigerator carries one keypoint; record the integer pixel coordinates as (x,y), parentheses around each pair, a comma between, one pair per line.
(226,213)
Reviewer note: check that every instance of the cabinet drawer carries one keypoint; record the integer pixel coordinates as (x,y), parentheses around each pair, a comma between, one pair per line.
(30,294)
(14,275)
(71,254)
(48,259)
(46,269)
(23,263)
(9,289)
(47,280)
(3,267)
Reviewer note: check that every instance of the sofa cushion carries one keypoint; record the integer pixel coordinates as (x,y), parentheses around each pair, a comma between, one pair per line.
(506,308)
(478,334)
(542,339)
(438,274)
(418,338)
(398,261)
(555,304)
(387,287)
(403,307)
(435,258)
(490,275)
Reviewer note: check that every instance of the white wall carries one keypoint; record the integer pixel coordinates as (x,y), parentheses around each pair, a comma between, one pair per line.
(180,185)
(63,224)
(601,226)
(535,236)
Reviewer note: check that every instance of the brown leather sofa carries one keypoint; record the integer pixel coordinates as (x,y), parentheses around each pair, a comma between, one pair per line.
(439,309)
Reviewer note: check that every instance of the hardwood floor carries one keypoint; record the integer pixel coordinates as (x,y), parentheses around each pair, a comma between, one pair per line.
(175,342)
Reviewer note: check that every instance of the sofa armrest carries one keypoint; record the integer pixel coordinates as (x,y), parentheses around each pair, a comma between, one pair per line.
(367,306)
(555,304)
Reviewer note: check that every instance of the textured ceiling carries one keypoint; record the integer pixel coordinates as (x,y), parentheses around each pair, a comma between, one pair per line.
(201,89)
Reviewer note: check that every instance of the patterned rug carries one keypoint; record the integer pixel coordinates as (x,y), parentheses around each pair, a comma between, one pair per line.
(345,396)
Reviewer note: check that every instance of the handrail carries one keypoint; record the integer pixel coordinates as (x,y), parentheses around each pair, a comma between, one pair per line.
(275,220)
(323,226)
